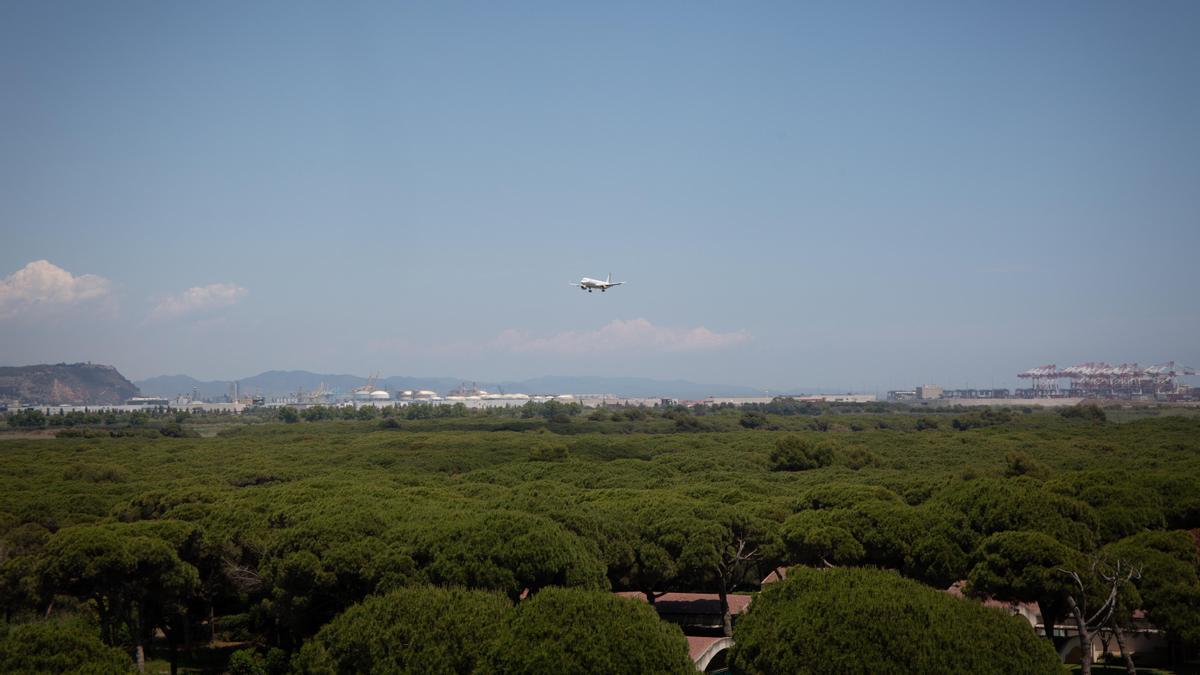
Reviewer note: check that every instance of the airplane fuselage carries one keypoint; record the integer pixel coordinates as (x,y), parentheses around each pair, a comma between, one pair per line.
(589,284)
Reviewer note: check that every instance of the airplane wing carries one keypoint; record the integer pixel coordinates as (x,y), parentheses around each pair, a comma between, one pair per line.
(615,283)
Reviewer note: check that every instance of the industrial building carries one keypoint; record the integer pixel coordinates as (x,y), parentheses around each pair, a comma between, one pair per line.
(925,392)
(148,401)
(1051,385)
(1127,381)
(929,392)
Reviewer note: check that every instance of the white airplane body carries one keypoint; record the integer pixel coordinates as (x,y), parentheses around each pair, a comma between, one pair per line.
(589,284)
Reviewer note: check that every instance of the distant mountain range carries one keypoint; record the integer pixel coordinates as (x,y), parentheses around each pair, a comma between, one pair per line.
(275,383)
(65,383)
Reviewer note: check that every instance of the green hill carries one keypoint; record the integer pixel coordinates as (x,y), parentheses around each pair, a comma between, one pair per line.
(65,383)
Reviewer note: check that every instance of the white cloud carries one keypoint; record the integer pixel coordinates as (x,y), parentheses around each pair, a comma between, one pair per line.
(44,285)
(620,335)
(198,299)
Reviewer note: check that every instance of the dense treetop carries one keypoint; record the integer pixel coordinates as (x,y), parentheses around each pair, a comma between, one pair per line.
(872,621)
(577,632)
(68,647)
(274,528)
(414,630)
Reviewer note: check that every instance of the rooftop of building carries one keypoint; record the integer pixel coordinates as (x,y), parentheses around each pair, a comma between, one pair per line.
(693,603)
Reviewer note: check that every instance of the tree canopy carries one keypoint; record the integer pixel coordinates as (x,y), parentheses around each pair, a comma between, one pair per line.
(793,453)
(56,647)
(568,631)
(871,621)
(259,530)
(412,630)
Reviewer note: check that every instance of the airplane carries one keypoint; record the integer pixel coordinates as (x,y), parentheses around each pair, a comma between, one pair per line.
(588,284)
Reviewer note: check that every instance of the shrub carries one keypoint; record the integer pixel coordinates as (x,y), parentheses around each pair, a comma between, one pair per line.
(83,433)
(926,424)
(547,451)
(175,430)
(860,457)
(247,662)
(1021,464)
(62,646)
(634,414)
(254,479)
(793,453)
(687,422)
(95,473)
(135,432)
(753,420)
(1090,412)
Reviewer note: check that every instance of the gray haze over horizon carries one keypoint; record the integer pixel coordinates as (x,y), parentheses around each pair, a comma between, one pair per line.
(847,196)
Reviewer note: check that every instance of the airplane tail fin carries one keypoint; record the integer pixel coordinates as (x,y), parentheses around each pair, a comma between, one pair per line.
(609,279)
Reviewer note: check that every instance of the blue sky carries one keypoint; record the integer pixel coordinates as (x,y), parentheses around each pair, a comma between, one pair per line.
(849,195)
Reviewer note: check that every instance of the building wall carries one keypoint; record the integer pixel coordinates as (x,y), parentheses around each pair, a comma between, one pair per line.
(929,392)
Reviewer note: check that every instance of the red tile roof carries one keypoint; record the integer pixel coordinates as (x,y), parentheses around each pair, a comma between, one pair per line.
(777,575)
(693,603)
(697,645)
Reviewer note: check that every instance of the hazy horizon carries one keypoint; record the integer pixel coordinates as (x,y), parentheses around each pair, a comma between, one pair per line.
(851,196)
